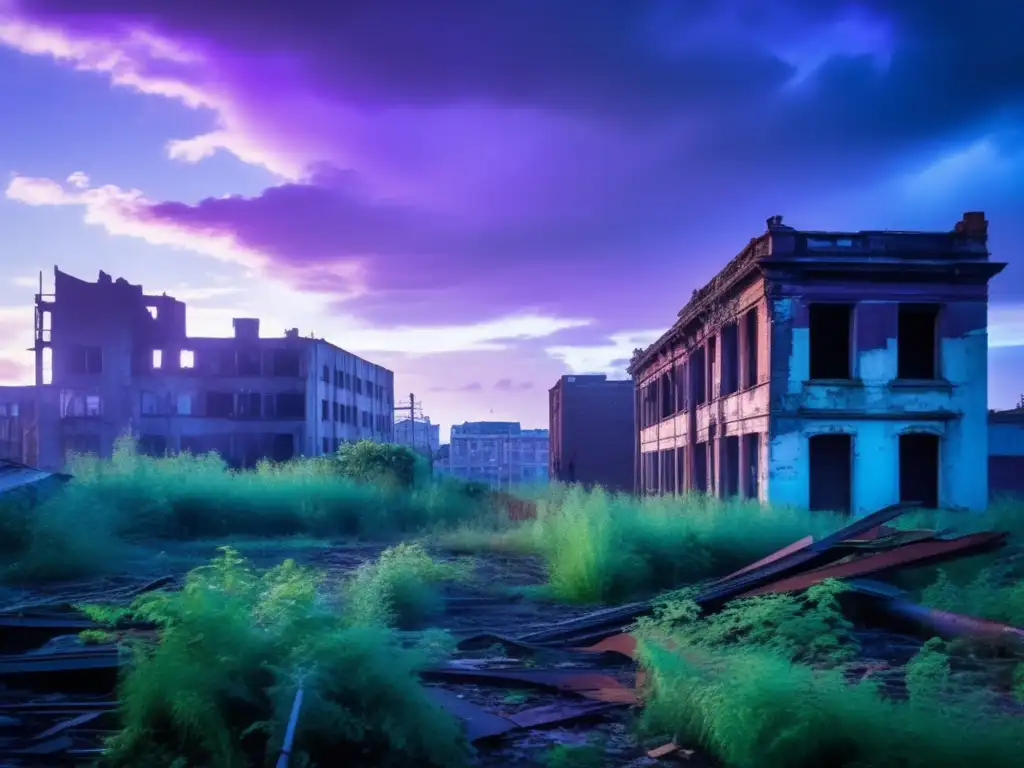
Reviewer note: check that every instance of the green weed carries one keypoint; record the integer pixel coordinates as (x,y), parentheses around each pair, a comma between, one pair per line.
(235,646)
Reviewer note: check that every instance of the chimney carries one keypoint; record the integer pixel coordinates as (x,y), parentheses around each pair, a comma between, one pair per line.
(974,226)
(247,328)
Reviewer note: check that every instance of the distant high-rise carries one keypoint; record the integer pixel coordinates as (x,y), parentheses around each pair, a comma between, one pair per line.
(591,431)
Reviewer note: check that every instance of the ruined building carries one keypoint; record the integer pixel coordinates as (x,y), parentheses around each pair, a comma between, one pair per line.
(110,358)
(499,453)
(830,370)
(591,431)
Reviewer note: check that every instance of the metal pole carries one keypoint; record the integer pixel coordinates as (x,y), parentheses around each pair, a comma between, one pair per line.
(289,736)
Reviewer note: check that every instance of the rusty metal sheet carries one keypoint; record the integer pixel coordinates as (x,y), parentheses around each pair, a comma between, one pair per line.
(917,554)
(552,680)
(889,541)
(477,722)
(622,644)
(562,712)
(796,546)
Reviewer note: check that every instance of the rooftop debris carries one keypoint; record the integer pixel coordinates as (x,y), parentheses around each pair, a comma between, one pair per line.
(590,659)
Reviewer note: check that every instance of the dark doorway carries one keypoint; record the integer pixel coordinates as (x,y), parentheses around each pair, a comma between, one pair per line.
(731,466)
(831,472)
(830,332)
(919,469)
(700,468)
(752,453)
(916,347)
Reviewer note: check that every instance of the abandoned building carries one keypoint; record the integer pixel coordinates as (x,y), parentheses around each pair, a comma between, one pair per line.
(829,370)
(591,431)
(498,453)
(110,359)
(1006,452)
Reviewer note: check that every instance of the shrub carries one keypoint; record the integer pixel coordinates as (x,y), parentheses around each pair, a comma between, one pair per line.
(398,588)
(235,646)
(392,466)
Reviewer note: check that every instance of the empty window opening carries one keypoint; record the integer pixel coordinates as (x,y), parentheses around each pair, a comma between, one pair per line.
(158,359)
(730,469)
(750,337)
(282,447)
(153,312)
(667,388)
(187,359)
(700,376)
(830,340)
(85,360)
(711,366)
(291,405)
(325,410)
(919,469)
(286,363)
(752,458)
(700,468)
(184,405)
(681,470)
(249,405)
(220,405)
(730,359)
(831,473)
(668,471)
(326,375)
(153,445)
(47,372)
(916,344)
(680,374)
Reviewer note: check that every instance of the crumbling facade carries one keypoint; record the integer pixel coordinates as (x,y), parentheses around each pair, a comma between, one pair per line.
(591,431)
(829,370)
(111,359)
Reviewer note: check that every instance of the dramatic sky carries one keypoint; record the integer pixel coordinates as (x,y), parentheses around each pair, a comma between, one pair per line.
(485,194)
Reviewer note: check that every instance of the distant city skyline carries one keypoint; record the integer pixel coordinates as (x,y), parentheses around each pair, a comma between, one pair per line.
(490,205)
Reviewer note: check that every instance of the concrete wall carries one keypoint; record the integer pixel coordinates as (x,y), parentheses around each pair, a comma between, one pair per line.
(875,408)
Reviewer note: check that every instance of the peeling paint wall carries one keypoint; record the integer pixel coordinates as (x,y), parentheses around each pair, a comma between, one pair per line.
(875,408)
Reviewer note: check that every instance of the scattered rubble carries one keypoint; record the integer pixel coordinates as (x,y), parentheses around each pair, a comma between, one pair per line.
(57,693)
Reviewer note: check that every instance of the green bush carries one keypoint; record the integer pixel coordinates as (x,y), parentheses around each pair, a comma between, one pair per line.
(392,466)
(217,688)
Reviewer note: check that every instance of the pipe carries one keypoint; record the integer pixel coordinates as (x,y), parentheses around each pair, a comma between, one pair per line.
(289,735)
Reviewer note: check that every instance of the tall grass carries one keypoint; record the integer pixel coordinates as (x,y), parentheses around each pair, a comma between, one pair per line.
(766,686)
(600,547)
(132,498)
(235,646)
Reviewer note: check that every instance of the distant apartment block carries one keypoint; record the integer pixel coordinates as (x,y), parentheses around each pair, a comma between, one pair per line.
(419,434)
(110,358)
(592,431)
(498,453)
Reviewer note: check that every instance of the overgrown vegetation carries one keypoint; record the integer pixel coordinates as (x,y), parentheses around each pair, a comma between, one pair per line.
(600,547)
(367,491)
(767,683)
(234,648)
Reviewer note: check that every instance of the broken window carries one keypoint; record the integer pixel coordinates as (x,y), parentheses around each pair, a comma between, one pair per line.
(700,375)
(75,404)
(249,405)
(831,473)
(286,363)
(336,409)
(339,378)
(291,405)
(269,407)
(283,447)
(85,360)
(700,467)
(220,405)
(359,386)
(830,332)
(730,359)
(326,375)
(712,359)
(158,359)
(752,452)
(668,395)
(325,410)
(249,361)
(680,381)
(153,312)
(153,404)
(348,381)
(916,347)
(186,359)
(919,469)
(730,469)
(750,337)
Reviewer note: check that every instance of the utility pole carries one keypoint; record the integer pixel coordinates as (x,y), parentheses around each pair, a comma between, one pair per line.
(415,410)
